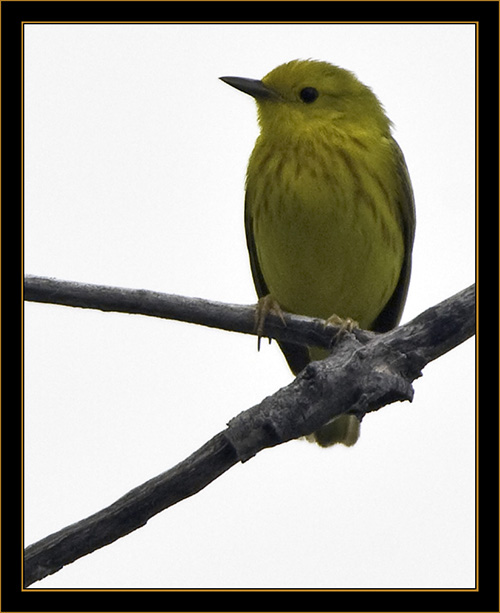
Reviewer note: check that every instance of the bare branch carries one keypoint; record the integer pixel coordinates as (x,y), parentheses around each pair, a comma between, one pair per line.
(361,375)
(232,317)
(358,377)
(129,512)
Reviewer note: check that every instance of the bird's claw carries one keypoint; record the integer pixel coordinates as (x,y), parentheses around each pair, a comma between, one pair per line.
(267,304)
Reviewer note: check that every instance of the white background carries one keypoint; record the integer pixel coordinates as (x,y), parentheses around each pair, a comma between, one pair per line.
(135,157)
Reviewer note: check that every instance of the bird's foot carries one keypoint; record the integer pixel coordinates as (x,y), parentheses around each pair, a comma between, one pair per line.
(267,304)
(344,325)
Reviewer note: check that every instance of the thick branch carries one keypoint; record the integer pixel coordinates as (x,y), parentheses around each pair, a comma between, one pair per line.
(360,376)
(129,512)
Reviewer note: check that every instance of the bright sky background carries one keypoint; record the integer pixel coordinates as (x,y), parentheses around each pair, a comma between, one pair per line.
(135,158)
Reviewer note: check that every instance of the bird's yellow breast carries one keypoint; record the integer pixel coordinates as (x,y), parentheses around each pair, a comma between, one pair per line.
(325,224)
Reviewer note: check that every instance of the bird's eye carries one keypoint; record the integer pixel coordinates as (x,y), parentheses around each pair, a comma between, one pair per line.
(308,94)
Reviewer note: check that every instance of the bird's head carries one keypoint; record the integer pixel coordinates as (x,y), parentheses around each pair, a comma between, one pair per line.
(307,95)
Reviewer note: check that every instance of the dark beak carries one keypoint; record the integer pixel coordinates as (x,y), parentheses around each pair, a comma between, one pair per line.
(253,87)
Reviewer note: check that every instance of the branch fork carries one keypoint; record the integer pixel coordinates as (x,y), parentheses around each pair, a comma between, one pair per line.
(364,372)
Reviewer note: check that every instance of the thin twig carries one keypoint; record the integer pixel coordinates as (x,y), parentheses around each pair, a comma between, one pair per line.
(232,317)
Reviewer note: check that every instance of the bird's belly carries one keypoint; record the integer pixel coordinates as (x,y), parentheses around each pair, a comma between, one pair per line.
(322,255)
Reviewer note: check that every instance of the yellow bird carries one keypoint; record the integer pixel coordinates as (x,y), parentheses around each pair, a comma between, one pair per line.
(329,211)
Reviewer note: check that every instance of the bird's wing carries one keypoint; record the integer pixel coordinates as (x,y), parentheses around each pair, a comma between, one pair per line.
(297,356)
(391,313)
